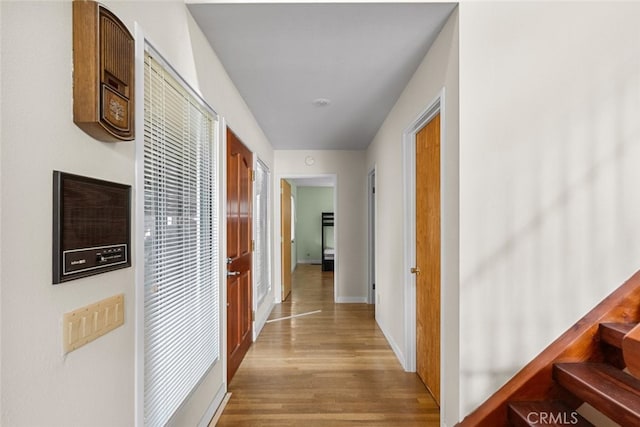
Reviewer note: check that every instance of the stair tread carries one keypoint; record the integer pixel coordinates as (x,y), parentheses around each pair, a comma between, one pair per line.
(613,333)
(552,413)
(609,390)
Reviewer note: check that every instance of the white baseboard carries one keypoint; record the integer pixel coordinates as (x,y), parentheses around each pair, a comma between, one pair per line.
(213,407)
(396,349)
(351,300)
(309,261)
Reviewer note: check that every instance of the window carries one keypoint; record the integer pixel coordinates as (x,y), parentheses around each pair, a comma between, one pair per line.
(181,279)
(261,255)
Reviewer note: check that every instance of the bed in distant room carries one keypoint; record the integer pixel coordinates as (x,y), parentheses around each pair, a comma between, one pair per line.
(328,251)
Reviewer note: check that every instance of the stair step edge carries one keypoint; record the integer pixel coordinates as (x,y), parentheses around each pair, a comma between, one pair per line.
(614,393)
(613,333)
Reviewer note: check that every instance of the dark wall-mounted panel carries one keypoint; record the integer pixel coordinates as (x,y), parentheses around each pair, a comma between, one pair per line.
(91,226)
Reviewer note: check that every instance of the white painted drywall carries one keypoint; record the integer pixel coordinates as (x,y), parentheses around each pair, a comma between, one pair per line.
(93,385)
(549,148)
(1,138)
(438,70)
(351,213)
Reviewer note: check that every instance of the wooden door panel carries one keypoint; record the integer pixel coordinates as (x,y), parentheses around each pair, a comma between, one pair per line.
(239,235)
(233,206)
(245,295)
(285,209)
(233,310)
(245,205)
(428,255)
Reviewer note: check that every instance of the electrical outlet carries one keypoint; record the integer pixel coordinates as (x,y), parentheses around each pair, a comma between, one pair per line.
(83,325)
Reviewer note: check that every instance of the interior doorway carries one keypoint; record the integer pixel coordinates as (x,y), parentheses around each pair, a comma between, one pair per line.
(427,267)
(287,223)
(312,231)
(372,236)
(448,249)
(239,252)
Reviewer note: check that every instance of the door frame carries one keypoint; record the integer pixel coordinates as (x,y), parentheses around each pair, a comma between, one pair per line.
(227,130)
(261,316)
(449,254)
(289,246)
(371,226)
(277,247)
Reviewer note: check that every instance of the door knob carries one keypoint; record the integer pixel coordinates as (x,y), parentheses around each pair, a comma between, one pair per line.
(415,270)
(233,273)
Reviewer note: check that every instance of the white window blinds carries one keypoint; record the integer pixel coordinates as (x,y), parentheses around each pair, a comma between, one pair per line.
(181,282)
(261,230)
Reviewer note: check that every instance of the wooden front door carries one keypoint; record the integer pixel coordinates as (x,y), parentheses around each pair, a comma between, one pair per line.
(285,225)
(239,235)
(428,255)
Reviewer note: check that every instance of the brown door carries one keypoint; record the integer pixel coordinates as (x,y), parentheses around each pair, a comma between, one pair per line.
(428,255)
(239,298)
(285,225)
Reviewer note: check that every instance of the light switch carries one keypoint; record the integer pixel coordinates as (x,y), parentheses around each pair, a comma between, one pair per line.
(85,324)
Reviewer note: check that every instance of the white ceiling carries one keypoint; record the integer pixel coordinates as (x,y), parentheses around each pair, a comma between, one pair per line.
(358,55)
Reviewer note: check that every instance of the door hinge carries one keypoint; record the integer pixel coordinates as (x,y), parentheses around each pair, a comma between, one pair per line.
(253,246)
(253,175)
(253,315)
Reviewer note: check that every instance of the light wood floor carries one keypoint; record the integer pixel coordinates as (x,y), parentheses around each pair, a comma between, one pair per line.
(331,368)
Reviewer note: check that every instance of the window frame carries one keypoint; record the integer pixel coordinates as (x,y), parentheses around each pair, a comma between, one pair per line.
(142,47)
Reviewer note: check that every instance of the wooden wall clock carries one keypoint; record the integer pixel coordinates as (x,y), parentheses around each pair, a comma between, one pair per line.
(103,73)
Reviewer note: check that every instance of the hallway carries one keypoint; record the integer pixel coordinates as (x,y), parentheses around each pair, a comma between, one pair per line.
(330,368)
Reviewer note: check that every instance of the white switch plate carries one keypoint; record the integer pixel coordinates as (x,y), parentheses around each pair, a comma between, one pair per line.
(83,325)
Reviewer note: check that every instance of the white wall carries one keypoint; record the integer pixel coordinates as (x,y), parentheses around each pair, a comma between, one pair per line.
(38,136)
(1,138)
(93,385)
(438,70)
(351,213)
(549,148)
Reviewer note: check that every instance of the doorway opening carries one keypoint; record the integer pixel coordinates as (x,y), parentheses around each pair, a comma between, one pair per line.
(307,235)
(372,236)
(448,251)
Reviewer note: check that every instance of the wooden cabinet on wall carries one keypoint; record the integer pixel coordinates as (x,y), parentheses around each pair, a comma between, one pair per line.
(103,73)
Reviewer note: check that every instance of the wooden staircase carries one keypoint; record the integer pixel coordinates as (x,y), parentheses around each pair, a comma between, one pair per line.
(597,361)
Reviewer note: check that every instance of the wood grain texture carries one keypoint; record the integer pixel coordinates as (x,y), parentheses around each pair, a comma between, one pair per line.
(239,261)
(613,333)
(611,391)
(285,226)
(544,413)
(631,350)
(579,343)
(103,73)
(428,255)
(332,368)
